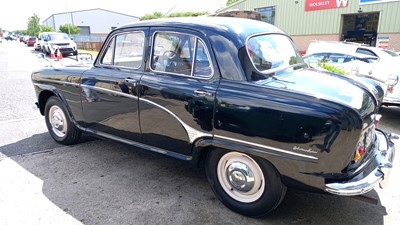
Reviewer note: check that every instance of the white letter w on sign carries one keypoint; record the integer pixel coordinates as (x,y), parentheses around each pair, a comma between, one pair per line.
(341,3)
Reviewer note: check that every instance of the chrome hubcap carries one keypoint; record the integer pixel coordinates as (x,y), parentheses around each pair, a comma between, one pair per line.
(57,121)
(240,177)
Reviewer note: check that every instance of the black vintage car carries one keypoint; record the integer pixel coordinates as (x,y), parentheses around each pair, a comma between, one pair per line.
(232,92)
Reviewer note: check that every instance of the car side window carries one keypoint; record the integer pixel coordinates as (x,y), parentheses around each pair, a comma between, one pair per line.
(181,54)
(125,50)
(316,58)
(107,58)
(336,58)
(202,65)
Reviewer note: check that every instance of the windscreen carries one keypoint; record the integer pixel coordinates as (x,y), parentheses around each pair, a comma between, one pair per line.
(58,37)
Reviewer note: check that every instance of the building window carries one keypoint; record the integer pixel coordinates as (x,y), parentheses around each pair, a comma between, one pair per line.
(267,14)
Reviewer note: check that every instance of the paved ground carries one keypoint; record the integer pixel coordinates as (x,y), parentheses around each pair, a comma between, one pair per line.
(103,182)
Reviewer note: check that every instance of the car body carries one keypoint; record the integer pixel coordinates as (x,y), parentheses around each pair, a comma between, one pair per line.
(26,38)
(356,59)
(232,92)
(50,42)
(10,38)
(355,66)
(31,41)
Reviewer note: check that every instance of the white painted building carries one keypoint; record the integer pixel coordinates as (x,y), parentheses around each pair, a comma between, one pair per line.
(92,22)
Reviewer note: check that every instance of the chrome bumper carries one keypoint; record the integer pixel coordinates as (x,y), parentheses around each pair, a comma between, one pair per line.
(391,101)
(382,166)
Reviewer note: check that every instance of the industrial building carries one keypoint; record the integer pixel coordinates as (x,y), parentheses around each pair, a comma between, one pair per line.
(373,22)
(92,22)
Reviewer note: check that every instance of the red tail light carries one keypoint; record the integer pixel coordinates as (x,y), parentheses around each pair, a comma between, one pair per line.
(359,153)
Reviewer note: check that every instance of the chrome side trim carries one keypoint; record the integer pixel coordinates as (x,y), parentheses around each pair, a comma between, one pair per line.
(142,146)
(55,81)
(192,133)
(270,148)
(110,91)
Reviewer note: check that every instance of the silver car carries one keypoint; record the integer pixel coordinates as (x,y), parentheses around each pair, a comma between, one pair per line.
(341,56)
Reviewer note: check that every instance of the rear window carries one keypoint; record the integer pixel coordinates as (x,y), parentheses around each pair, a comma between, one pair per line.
(365,52)
(271,52)
(58,37)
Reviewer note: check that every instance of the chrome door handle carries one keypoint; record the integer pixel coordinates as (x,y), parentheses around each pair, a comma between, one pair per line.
(131,81)
(202,93)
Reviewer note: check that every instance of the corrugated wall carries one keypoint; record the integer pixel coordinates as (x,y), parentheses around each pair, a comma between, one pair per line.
(292,18)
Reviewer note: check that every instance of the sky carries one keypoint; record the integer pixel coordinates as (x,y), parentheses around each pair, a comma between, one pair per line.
(14,14)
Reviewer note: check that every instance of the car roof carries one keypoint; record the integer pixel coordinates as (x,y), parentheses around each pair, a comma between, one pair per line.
(239,26)
(358,55)
(343,47)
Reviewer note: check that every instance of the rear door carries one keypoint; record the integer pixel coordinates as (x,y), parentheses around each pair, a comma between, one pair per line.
(109,90)
(177,90)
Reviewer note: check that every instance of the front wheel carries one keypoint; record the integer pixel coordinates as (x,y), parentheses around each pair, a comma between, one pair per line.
(58,123)
(246,184)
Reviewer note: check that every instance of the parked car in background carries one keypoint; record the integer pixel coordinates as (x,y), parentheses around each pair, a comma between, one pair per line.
(352,64)
(10,38)
(31,41)
(233,92)
(51,41)
(360,60)
(350,47)
(26,38)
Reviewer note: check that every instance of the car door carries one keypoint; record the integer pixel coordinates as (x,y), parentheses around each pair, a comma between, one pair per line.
(177,90)
(109,90)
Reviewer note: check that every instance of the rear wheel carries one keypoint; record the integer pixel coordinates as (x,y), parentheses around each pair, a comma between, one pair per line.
(246,184)
(58,123)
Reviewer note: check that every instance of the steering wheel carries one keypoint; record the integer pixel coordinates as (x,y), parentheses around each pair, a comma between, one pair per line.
(170,55)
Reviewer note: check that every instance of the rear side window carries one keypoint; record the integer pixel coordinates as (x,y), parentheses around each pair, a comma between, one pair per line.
(180,54)
(125,50)
(339,58)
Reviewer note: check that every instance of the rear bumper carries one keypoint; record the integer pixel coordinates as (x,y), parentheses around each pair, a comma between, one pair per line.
(391,101)
(376,173)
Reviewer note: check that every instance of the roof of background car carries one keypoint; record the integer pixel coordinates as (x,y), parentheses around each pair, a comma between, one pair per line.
(239,26)
(359,55)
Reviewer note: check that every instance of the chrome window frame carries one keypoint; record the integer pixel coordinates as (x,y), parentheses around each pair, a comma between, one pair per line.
(113,38)
(197,39)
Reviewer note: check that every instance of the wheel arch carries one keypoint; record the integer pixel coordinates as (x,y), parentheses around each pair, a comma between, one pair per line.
(43,97)
(49,91)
